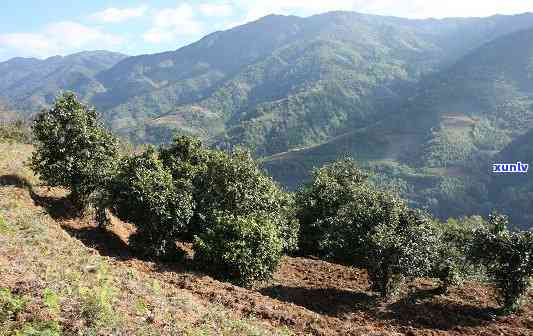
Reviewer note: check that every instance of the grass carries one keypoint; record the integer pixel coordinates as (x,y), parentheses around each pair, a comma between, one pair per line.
(51,284)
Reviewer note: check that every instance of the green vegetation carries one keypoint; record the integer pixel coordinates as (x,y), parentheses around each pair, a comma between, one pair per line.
(452,264)
(73,149)
(508,257)
(12,309)
(145,193)
(440,98)
(240,222)
(242,249)
(405,247)
(313,91)
(343,218)
(180,192)
(436,147)
(52,285)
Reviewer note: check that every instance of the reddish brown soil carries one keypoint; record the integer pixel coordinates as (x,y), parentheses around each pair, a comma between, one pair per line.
(315,297)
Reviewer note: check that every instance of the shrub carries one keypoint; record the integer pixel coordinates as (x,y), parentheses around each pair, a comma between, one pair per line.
(508,257)
(231,183)
(185,157)
(323,201)
(73,149)
(241,249)
(456,236)
(344,218)
(407,247)
(145,194)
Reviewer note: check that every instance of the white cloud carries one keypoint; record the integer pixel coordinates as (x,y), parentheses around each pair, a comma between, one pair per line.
(58,38)
(169,23)
(115,15)
(216,10)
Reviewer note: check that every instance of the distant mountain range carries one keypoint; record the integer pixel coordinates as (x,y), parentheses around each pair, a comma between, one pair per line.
(426,104)
(29,84)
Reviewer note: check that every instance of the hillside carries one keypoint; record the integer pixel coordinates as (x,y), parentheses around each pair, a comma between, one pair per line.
(59,272)
(437,147)
(28,84)
(425,104)
(513,194)
(285,82)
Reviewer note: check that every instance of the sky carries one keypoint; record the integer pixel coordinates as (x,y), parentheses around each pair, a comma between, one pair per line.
(37,28)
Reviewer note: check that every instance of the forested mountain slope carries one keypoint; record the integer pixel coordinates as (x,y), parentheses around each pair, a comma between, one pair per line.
(438,146)
(513,194)
(285,82)
(28,84)
(427,104)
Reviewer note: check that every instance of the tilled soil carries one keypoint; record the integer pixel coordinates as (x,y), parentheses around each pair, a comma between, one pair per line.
(313,297)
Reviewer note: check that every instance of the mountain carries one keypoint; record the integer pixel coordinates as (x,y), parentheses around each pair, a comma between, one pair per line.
(285,82)
(425,104)
(28,84)
(437,148)
(276,84)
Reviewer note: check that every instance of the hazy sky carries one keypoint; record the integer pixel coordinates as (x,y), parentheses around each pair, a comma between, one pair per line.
(42,28)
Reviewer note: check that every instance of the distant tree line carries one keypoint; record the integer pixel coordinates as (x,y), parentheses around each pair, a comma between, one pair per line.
(241,222)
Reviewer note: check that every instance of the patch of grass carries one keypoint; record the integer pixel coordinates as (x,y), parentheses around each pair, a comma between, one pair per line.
(10,305)
(4,228)
(19,316)
(97,302)
(51,301)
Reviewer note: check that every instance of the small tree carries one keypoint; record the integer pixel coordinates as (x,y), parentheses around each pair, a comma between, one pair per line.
(344,218)
(508,257)
(145,194)
(229,183)
(324,201)
(73,149)
(404,248)
(452,264)
(186,157)
(243,250)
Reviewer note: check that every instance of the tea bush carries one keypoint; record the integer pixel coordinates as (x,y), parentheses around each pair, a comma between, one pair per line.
(344,218)
(73,149)
(321,204)
(145,194)
(452,265)
(241,249)
(508,257)
(230,183)
(398,249)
